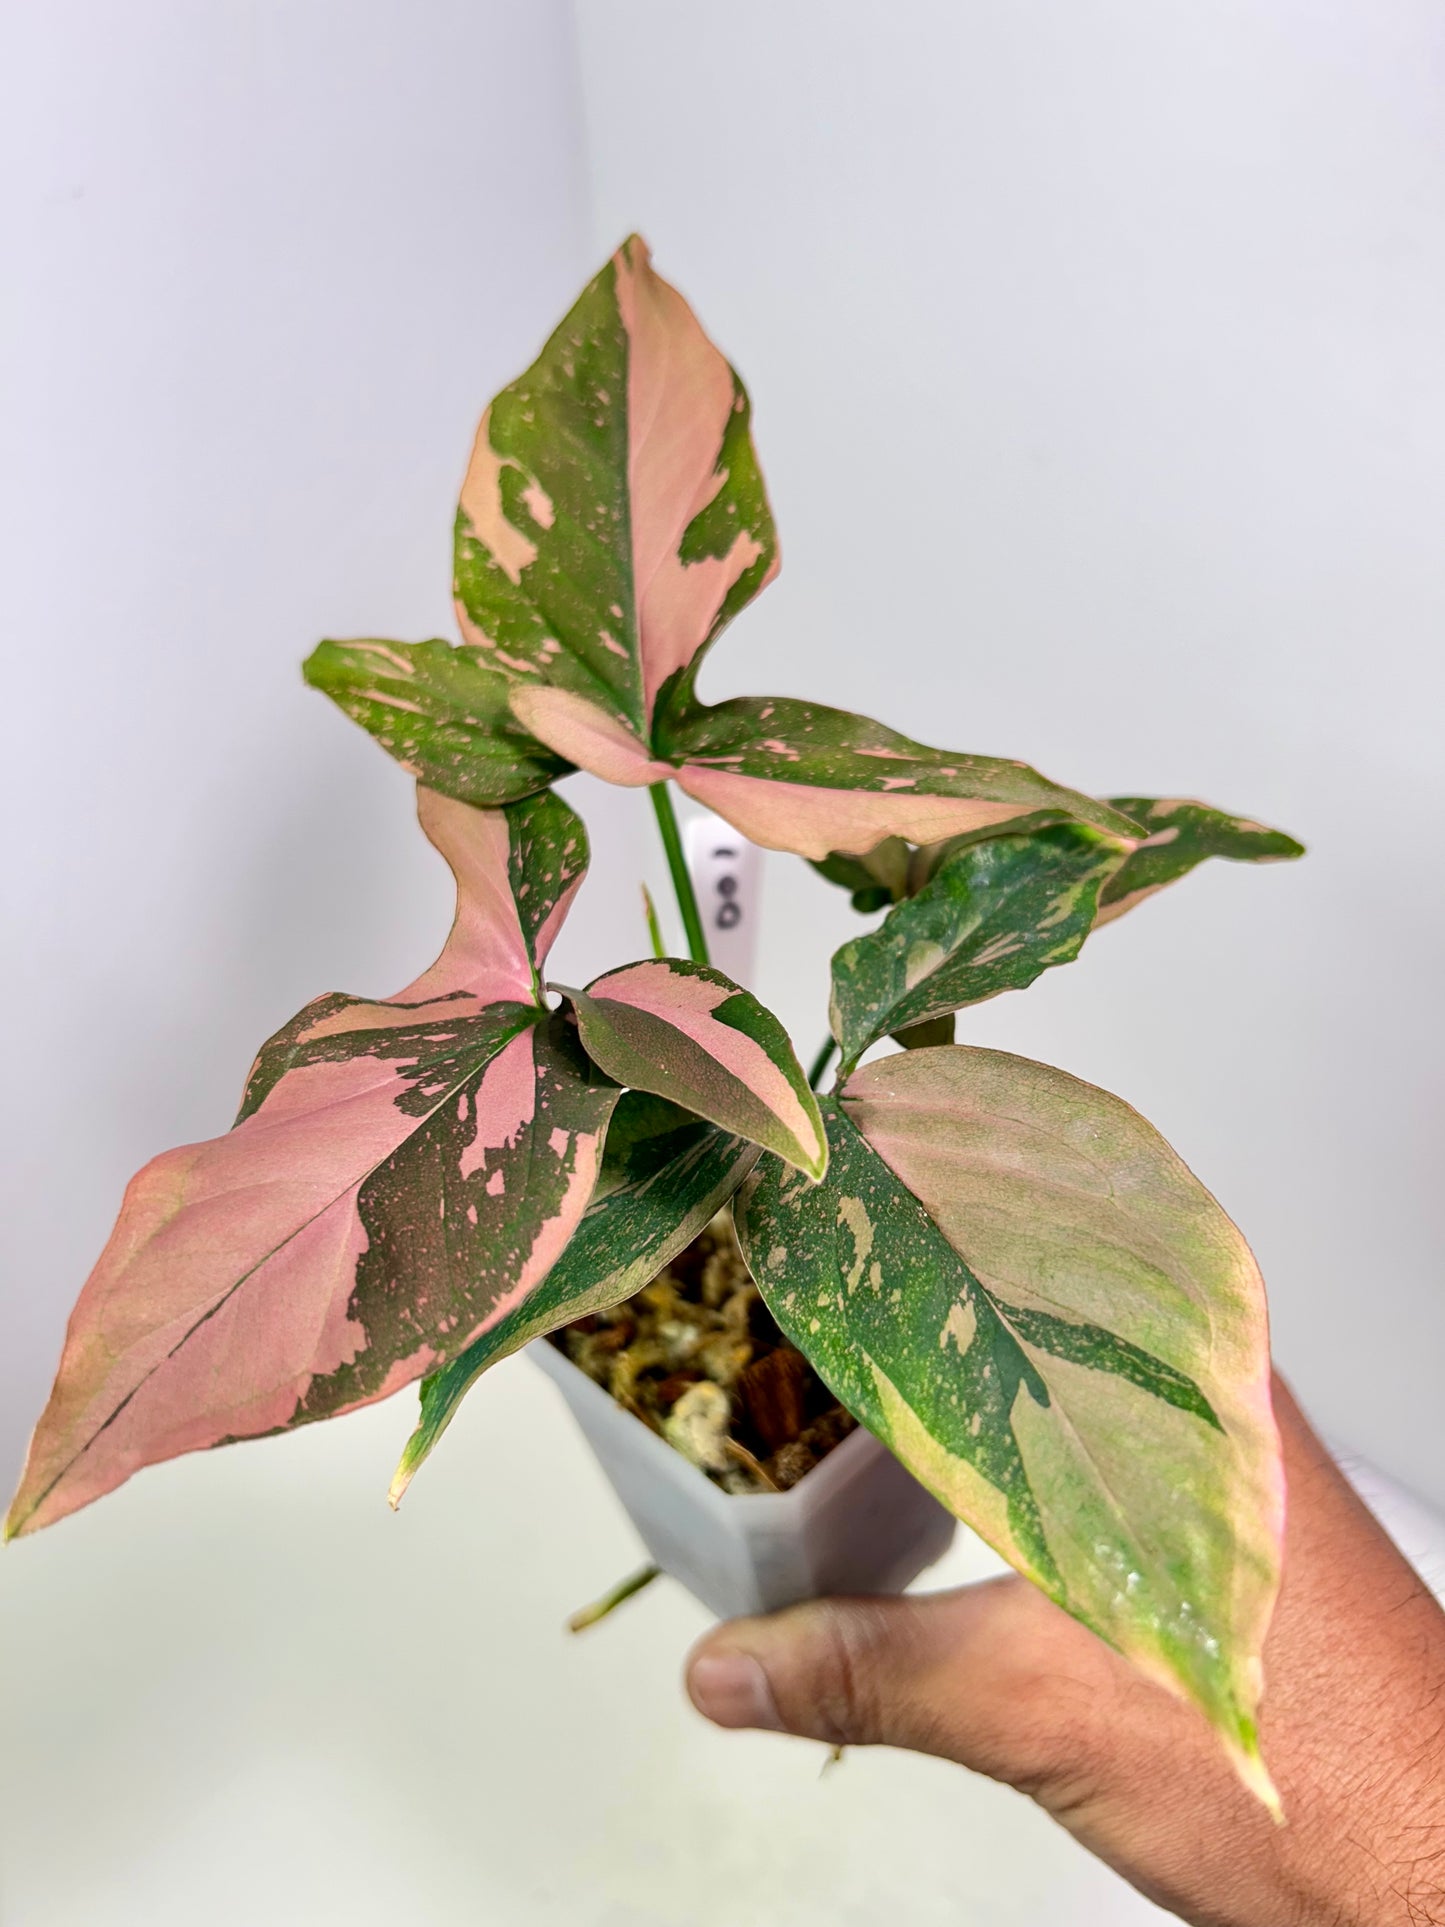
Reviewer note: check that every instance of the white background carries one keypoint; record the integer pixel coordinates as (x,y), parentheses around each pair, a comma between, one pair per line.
(1095,352)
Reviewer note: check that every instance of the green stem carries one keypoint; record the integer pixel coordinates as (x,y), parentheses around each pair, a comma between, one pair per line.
(821,1063)
(654,928)
(681,882)
(610,1601)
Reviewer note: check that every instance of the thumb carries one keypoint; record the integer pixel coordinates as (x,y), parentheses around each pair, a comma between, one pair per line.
(992,1676)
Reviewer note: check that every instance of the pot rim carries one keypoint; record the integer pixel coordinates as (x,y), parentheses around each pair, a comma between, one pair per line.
(834,1468)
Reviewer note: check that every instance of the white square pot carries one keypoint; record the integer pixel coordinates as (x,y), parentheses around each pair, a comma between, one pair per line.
(857,1523)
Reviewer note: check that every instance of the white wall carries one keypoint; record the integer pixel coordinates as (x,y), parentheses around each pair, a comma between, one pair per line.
(1095,355)
(266,263)
(1096,359)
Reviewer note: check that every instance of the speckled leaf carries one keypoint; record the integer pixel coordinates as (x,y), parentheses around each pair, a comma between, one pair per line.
(402,1175)
(1181,834)
(613,518)
(800,776)
(690,1034)
(1013,1281)
(612,521)
(664,1174)
(440,712)
(993,917)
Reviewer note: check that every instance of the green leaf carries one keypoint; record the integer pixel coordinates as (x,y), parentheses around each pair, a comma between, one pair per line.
(994,916)
(664,1175)
(688,1033)
(824,782)
(440,712)
(1014,1282)
(1181,834)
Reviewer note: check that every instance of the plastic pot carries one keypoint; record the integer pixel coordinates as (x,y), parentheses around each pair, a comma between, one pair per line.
(857,1523)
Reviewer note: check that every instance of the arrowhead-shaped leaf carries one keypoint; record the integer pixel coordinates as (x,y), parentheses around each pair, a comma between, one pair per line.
(664,1175)
(441,713)
(613,518)
(994,915)
(688,1033)
(800,776)
(1011,1279)
(402,1176)
(612,522)
(1181,834)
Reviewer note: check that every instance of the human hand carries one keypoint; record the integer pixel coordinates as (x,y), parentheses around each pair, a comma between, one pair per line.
(998,1678)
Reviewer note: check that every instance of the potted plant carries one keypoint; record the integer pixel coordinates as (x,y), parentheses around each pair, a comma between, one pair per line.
(1002,1273)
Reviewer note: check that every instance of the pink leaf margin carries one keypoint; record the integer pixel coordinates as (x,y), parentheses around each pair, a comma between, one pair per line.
(223,1293)
(686,998)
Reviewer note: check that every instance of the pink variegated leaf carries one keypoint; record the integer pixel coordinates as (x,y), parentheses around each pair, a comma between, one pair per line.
(1011,1278)
(1179,835)
(994,915)
(613,520)
(686,1032)
(801,776)
(665,1173)
(441,712)
(613,517)
(402,1175)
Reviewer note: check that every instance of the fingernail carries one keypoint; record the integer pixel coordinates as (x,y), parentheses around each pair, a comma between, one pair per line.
(731,1689)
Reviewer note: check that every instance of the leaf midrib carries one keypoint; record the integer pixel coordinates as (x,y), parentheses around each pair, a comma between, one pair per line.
(354,1184)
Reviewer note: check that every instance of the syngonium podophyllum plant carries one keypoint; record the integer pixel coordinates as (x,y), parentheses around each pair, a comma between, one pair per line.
(1003,1272)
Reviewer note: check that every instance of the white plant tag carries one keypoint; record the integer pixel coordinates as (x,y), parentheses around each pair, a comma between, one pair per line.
(726,872)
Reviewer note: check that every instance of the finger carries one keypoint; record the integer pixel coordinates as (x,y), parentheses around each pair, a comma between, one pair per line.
(992,1676)
(1000,1680)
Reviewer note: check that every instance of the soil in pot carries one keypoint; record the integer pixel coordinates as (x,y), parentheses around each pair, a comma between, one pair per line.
(697,1356)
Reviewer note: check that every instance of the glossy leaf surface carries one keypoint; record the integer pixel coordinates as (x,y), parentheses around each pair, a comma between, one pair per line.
(1013,1281)
(690,1034)
(402,1176)
(993,917)
(664,1175)
(440,712)
(1181,834)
